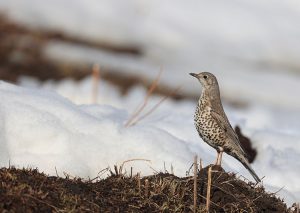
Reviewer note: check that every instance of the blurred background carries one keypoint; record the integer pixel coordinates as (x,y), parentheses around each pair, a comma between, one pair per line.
(253,47)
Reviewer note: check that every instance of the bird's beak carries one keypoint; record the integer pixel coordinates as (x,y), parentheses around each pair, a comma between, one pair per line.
(194,75)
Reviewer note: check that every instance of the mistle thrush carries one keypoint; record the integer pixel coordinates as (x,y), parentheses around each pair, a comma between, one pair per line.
(212,123)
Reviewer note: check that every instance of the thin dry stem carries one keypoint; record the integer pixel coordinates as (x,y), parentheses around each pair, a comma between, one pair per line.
(156,106)
(100,173)
(154,170)
(201,164)
(172,169)
(208,189)
(195,182)
(135,159)
(144,104)
(96,79)
(274,193)
(68,175)
(56,172)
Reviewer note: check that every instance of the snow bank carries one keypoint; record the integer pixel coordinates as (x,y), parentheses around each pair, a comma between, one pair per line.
(44,130)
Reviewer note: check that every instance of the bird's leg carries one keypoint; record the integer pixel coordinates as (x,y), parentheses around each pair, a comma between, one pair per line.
(219,158)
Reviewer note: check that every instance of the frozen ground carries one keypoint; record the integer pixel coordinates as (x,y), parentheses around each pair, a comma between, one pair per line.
(250,45)
(40,128)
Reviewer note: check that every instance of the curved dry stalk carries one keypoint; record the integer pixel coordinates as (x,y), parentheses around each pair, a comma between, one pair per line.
(144,104)
(135,159)
(156,105)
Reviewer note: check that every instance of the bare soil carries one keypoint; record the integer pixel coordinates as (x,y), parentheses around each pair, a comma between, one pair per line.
(27,190)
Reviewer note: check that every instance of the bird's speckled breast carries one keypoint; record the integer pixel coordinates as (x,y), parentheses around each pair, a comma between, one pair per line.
(207,127)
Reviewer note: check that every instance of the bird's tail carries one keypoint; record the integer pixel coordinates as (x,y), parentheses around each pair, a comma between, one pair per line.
(246,164)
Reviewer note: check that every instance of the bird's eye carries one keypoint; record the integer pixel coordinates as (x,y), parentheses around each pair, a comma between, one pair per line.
(205,76)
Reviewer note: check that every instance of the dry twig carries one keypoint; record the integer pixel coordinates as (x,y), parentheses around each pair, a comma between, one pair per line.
(144,104)
(172,169)
(134,118)
(208,189)
(155,106)
(201,164)
(195,182)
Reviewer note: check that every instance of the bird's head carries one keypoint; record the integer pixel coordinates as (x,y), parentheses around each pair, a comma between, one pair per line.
(206,79)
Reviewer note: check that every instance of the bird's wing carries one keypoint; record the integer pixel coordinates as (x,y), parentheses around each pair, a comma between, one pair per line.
(227,128)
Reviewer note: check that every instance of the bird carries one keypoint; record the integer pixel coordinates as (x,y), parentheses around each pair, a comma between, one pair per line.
(213,125)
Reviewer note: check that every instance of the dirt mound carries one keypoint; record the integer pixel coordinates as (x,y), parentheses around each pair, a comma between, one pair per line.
(28,190)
